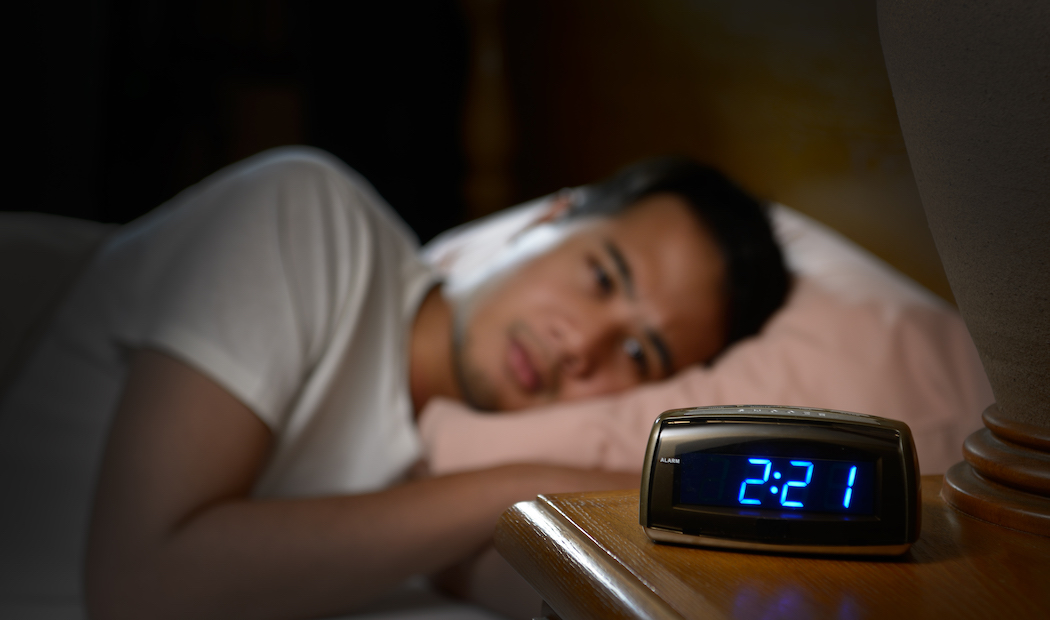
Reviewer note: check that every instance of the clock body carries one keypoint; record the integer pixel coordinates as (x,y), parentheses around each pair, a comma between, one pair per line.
(781,479)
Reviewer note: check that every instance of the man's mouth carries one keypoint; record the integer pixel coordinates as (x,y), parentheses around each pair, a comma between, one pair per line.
(522,367)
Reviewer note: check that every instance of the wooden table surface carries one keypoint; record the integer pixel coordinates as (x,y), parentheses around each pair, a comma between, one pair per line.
(586,554)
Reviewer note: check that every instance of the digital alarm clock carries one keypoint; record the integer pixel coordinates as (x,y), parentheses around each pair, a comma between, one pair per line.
(781,479)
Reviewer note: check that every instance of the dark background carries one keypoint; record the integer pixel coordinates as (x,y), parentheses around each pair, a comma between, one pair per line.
(120,104)
(116,105)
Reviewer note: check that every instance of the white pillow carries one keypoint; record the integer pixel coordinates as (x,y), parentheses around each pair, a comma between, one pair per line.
(854,334)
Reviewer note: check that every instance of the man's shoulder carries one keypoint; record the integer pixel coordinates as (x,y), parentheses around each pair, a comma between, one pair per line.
(300,165)
(309,184)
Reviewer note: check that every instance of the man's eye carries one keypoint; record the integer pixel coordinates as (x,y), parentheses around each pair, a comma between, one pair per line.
(601,278)
(634,350)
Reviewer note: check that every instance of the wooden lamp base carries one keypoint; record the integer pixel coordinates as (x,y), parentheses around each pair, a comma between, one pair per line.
(1005,478)
(970,81)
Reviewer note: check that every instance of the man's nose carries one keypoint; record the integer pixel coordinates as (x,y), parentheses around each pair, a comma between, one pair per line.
(584,342)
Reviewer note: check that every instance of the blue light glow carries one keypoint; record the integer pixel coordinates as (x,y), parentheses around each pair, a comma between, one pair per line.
(749,481)
(765,478)
(784,501)
(849,487)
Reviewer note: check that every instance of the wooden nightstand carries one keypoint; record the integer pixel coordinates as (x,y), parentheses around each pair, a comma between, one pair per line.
(588,557)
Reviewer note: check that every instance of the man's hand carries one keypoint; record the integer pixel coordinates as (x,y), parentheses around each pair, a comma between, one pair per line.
(175,532)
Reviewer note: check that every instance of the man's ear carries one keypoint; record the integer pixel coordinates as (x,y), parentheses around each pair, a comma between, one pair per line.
(557,207)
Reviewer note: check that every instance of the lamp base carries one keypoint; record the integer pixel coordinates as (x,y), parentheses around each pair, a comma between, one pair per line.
(969,492)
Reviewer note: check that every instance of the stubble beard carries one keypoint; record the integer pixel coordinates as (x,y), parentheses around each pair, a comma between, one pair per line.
(474,385)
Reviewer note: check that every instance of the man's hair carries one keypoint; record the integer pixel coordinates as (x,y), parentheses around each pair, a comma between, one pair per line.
(757,281)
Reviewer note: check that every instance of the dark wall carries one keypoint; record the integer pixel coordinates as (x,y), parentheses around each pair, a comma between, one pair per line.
(791,99)
(123,103)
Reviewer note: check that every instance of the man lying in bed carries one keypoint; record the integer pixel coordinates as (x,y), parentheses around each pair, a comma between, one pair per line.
(257,350)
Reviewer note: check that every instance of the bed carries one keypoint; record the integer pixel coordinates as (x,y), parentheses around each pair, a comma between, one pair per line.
(854,334)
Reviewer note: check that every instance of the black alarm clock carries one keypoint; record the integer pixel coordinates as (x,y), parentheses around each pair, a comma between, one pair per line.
(781,479)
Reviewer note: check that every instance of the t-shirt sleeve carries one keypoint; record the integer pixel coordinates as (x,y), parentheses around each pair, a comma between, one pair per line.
(245,276)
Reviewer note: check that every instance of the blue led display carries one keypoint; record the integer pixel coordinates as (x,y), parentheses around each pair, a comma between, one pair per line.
(779,483)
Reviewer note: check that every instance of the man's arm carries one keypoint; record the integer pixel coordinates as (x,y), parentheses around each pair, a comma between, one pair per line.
(175,533)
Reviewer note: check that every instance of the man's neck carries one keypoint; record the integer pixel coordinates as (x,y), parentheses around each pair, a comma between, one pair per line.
(430,363)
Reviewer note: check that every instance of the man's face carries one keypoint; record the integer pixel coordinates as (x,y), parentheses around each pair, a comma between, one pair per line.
(617,301)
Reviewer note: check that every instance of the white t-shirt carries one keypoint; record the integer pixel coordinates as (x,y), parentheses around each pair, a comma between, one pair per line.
(287,280)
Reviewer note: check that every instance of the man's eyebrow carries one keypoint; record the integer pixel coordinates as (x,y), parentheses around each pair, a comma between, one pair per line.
(621,267)
(661,351)
(655,339)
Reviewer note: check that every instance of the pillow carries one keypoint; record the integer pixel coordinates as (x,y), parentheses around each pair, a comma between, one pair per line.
(854,334)
(40,257)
